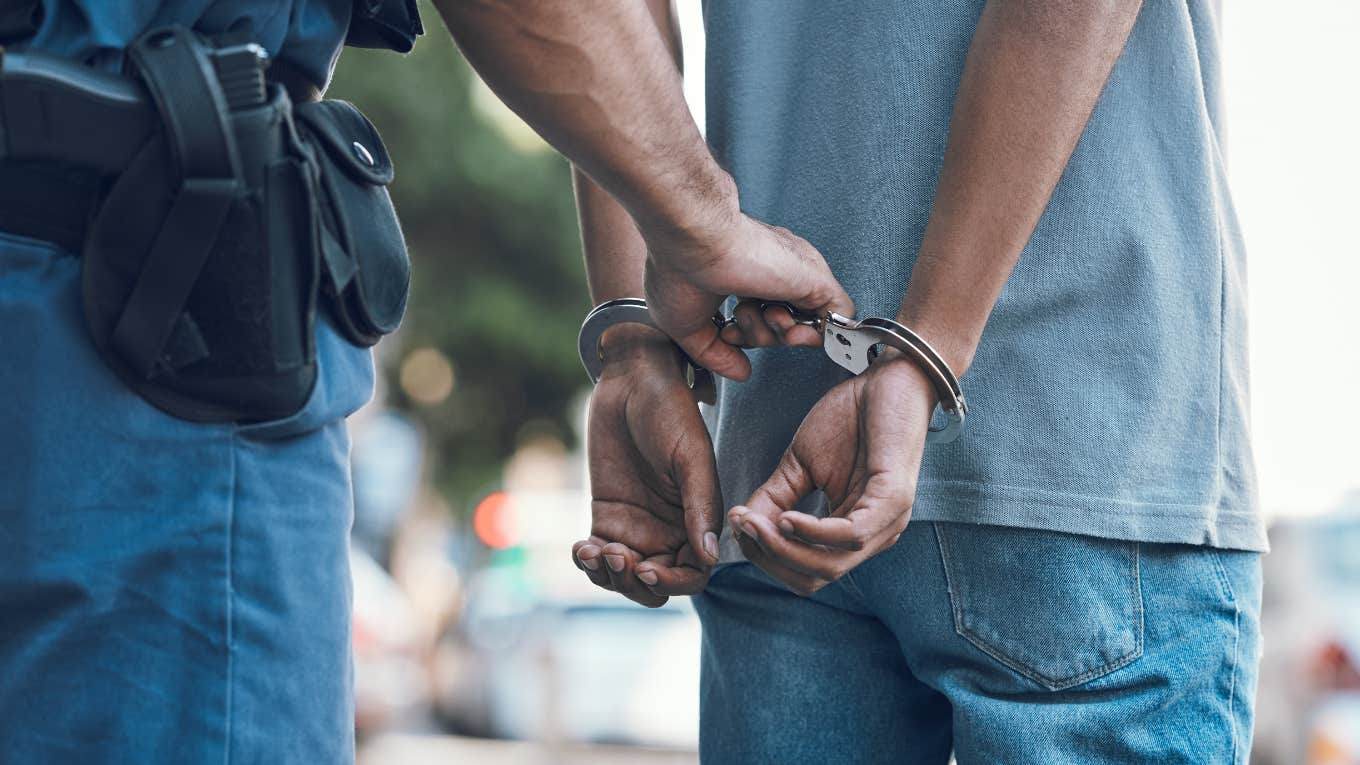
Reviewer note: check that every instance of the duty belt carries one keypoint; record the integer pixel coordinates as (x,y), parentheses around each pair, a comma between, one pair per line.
(64,127)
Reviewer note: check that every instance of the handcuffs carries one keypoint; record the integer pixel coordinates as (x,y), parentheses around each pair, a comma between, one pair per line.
(852,344)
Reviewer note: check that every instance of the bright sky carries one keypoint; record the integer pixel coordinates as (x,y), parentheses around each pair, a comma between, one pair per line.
(1294,159)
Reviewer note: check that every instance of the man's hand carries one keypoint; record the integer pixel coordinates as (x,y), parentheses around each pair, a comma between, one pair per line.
(862,446)
(654,483)
(688,277)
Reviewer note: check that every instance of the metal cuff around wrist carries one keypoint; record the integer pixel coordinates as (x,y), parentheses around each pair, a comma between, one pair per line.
(852,344)
(632,311)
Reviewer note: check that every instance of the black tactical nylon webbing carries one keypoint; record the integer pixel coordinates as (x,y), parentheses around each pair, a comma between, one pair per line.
(184,86)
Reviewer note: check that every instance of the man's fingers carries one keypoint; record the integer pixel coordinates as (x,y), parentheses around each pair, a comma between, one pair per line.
(587,554)
(621,562)
(796,581)
(662,576)
(838,532)
(696,471)
(812,561)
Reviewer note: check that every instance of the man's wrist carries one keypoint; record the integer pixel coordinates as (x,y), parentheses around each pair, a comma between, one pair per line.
(954,341)
(630,347)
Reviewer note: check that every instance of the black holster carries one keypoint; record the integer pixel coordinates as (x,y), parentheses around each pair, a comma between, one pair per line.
(211,250)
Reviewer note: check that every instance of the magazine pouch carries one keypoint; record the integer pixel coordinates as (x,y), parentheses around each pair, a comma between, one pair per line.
(367,268)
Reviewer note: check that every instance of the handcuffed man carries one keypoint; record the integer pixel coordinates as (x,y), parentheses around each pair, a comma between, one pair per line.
(1037,189)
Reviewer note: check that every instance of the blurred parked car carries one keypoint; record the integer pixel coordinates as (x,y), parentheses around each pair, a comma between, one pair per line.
(584,667)
(1308,709)
(390,681)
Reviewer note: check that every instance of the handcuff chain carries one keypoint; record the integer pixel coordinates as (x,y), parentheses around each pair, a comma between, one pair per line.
(851,344)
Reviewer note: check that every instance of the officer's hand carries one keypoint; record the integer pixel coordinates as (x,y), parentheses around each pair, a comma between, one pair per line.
(653,479)
(687,278)
(862,446)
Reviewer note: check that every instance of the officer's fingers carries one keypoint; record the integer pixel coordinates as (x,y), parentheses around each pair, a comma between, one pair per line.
(732,335)
(621,561)
(706,348)
(797,273)
(586,554)
(754,331)
(781,320)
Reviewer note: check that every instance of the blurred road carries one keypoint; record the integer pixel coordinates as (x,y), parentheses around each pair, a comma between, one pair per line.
(410,749)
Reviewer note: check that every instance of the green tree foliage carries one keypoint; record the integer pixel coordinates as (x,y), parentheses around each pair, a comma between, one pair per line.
(497,282)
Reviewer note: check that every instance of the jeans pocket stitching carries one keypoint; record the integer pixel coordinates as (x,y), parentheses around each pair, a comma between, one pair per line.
(1052,684)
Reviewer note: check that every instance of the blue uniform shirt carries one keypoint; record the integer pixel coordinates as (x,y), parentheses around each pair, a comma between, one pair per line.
(1108,396)
(306,33)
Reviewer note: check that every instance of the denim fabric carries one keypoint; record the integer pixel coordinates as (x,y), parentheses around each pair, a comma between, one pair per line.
(1109,393)
(169,591)
(1004,645)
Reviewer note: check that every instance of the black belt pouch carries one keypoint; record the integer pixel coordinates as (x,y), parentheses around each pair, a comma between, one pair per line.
(203,266)
(367,267)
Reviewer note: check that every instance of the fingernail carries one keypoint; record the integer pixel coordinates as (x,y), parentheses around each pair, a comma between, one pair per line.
(750,529)
(786,525)
(615,562)
(711,545)
(591,563)
(648,577)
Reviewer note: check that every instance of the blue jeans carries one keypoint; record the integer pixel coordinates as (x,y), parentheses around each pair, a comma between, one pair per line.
(1002,645)
(169,591)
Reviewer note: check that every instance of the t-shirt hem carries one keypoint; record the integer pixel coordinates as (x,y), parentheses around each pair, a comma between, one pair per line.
(1208,524)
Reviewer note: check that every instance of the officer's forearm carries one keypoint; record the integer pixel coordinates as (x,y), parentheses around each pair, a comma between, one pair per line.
(596,80)
(615,252)
(1032,78)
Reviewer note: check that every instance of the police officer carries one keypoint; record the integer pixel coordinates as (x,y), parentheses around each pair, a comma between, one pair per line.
(174,584)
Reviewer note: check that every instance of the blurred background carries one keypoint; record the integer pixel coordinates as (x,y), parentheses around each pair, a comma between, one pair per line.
(476,640)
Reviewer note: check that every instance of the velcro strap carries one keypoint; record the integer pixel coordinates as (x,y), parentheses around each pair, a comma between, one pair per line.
(194,112)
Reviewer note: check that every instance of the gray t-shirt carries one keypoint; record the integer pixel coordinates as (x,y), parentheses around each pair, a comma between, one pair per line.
(1109,394)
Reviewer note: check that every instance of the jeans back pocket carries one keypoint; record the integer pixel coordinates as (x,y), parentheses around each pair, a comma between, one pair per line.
(1060,609)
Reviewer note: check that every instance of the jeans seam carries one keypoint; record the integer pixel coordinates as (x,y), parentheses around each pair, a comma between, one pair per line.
(231,602)
(1221,573)
(1052,684)
(1232,681)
